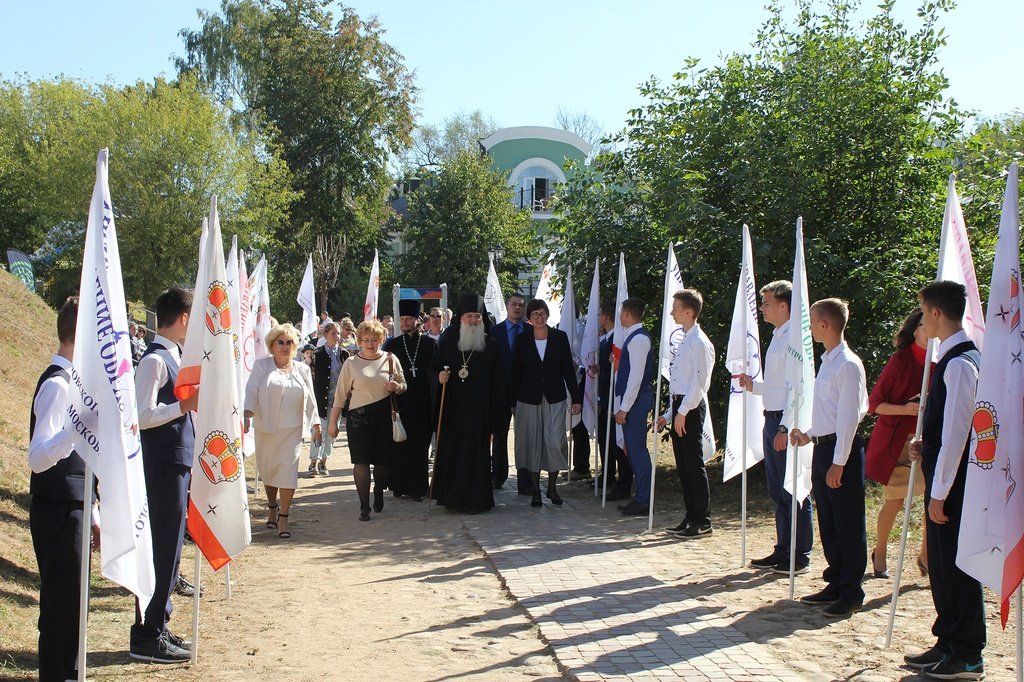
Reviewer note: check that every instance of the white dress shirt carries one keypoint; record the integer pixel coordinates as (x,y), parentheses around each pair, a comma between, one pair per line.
(150,376)
(961,379)
(840,399)
(690,371)
(772,388)
(639,348)
(51,442)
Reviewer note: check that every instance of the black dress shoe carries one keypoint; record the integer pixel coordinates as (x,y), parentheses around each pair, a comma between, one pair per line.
(767,562)
(635,509)
(840,609)
(826,596)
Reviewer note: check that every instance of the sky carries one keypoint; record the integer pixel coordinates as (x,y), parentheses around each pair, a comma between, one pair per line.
(517,64)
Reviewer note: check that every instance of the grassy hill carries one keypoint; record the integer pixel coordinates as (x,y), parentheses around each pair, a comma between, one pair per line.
(28,337)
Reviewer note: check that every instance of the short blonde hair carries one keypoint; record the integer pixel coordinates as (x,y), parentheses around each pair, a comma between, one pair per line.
(371,327)
(279,330)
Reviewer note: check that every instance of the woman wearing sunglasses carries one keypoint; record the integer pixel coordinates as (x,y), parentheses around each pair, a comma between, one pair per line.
(281,397)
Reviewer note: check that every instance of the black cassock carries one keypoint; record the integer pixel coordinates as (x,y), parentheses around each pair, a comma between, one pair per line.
(462,466)
(408,474)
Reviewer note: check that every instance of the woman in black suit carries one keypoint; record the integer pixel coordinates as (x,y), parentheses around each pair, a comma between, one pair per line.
(543,380)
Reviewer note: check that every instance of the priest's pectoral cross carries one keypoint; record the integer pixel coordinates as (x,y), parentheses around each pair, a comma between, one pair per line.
(412,370)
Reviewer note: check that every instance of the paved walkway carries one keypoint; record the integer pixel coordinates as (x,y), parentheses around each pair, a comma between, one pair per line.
(607,612)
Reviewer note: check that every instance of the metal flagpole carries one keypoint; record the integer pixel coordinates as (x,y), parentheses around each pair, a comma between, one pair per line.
(654,450)
(925,384)
(1020,637)
(195,608)
(743,474)
(793,513)
(227,580)
(608,433)
(83,600)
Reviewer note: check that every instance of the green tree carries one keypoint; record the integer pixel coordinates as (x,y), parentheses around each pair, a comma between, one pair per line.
(171,147)
(844,124)
(455,220)
(332,94)
(433,145)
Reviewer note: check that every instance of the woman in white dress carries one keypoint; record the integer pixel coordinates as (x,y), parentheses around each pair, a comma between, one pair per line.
(280,396)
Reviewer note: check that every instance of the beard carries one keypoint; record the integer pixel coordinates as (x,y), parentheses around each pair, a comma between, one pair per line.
(472,338)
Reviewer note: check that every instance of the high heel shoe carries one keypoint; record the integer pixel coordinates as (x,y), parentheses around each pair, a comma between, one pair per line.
(878,574)
(554,497)
(536,502)
(364,514)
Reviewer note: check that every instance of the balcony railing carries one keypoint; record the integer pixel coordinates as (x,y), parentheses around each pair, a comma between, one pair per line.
(537,200)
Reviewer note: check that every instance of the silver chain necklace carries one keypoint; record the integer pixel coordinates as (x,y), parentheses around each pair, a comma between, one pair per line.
(415,354)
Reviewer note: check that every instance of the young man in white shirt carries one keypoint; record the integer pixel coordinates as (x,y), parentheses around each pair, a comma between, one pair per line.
(959,625)
(689,380)
(837,470)
(55,517)
(635,391)
(775,302)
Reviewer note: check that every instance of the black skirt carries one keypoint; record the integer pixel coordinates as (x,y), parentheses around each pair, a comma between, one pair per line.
(369,433)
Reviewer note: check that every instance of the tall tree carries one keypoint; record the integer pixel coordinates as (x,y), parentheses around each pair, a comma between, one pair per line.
(843,123)
(580,123)
(433,145)
(333,95)
(455,220)
(171,147)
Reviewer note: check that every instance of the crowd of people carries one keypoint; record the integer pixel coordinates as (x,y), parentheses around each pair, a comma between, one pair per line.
(460,387)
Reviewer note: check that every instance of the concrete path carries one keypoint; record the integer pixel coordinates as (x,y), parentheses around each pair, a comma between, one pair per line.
(606,611)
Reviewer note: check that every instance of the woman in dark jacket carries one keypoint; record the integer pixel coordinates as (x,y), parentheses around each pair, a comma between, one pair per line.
(894,399)
(543,379)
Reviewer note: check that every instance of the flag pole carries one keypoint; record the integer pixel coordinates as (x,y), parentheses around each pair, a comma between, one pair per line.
(195,608)
(608,431)
(925,384)
(227,580)
(743,475)
(792,513)
(654,450)
(1020,635)
(83,599)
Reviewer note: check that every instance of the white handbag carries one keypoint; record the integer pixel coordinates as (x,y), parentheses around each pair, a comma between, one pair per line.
(398,433)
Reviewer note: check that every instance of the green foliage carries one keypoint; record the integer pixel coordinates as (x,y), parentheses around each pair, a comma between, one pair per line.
(433,145)
(456,220)
(334,97)
(845,125)
(170,146)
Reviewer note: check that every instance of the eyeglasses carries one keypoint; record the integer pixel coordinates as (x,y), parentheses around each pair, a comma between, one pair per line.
(284,342)
(538,314)
(436,317)
(370,339)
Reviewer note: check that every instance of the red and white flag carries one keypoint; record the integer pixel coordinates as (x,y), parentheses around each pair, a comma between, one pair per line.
(372,290)
(246,344)
(102,410)
(957,265)
(307,301)
(218,511)
(743,356)
(991,546)
(588,353)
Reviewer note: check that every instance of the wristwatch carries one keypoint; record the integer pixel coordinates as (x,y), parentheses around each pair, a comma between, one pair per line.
(783,429)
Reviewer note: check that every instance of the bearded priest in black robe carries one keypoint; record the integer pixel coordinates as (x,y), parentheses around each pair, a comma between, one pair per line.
(468,362)
(415,351)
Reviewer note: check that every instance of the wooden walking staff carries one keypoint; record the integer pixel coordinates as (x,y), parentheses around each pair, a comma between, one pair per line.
(925,383)
(437,445)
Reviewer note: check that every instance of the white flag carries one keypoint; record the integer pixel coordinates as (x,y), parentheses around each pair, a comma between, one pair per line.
(234,287)
(799,374)
(246,345)
(568,322)
(547,293)
(260,292)
(588,353)
(991,546)
(619,338)
(103,410)
(494,300)
(372,290)
(744,357)
(218,511)
(307,301)
(957,265)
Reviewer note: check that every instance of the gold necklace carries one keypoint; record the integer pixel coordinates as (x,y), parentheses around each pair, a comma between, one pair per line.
(464,372)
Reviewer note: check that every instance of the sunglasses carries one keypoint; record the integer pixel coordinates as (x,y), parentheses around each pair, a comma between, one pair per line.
(436,317)
(284,342)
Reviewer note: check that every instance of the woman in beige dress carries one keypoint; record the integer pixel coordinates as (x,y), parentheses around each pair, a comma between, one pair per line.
(280,396)
(367,382)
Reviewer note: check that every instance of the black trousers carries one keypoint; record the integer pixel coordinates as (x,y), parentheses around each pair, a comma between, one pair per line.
(620,472)
(693,476)
(841,526)
(959,601)
(499,446)
(580,449)
(167,493)
(56,527)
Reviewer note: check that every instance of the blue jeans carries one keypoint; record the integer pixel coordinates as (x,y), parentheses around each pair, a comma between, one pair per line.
(775,472)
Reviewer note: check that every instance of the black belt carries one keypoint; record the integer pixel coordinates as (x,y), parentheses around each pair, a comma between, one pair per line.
(773,414)
(824,440)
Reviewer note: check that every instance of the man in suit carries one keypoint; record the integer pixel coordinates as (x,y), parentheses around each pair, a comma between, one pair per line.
(620,473)
(327,362)
(505,335)
(55,517)
(635,392)
(168,438)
